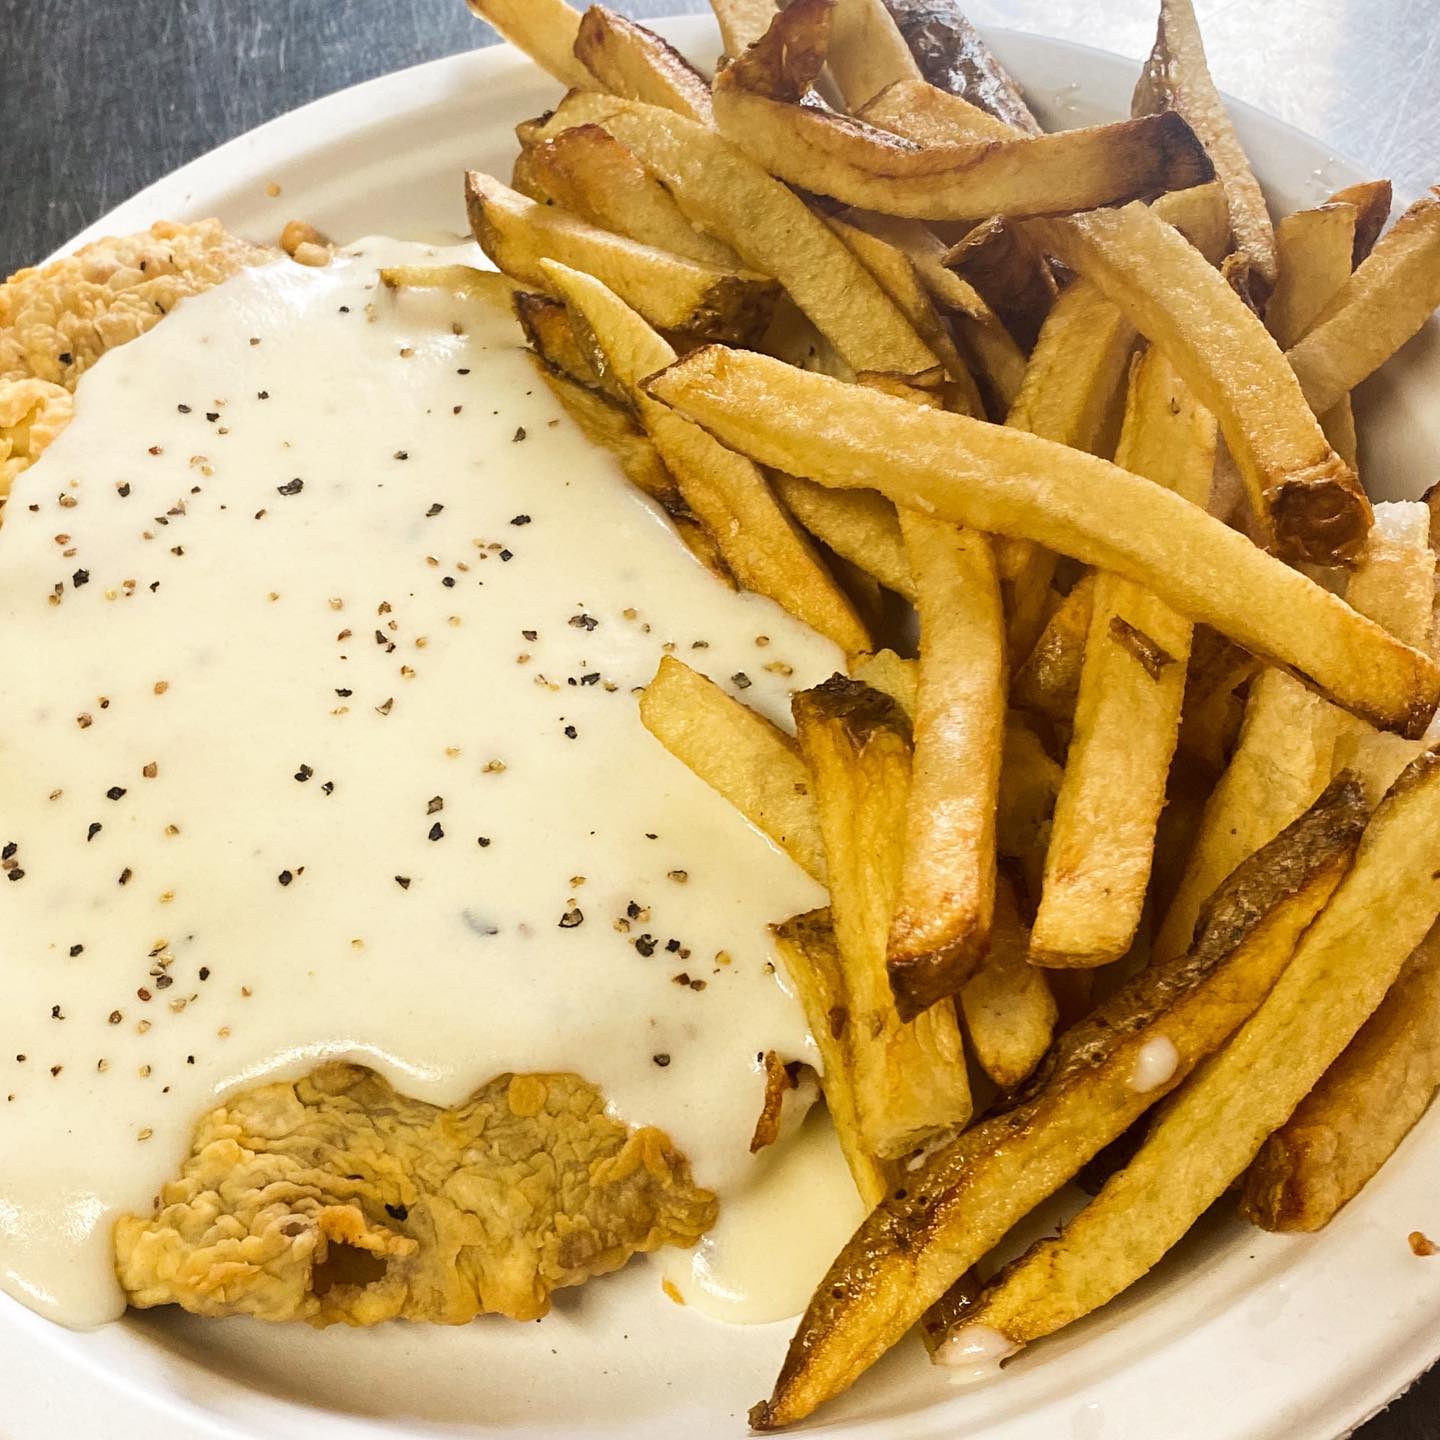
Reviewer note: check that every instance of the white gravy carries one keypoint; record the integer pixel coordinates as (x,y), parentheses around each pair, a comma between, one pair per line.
(263,640)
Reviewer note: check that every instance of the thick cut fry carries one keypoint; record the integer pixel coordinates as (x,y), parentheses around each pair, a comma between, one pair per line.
(613,429)
(996,479)
(742,22)
(1048,683)
(1006,1004)
(1346,1128)
(546,324)
(738,752)
(668,290)
(1127,713)
(1002,262)
(812,961)
(953,57)
(867,51)
(941,924)
(1314,249)
(1096,1082)
(1341,970)
(629,60)
(463,279)
(858,525)
(769,227)
(594,176)
(1379,308)
(763,547)
(1176,78)
(545,30)
(910,1078)
(1298,486)
(1213,709)
(859,164)
(928,115)
(1372,200)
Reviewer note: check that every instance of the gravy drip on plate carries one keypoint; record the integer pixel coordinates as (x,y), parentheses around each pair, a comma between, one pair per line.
(320,631)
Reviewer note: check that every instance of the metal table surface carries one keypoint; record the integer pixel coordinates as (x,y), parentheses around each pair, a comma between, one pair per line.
(103,97)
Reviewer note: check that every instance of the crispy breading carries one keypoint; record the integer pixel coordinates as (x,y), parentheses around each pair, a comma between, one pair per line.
(333,1199)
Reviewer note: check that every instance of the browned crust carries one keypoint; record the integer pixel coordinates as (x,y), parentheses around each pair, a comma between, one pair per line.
(1321,514)
(787,60)
(599,22)
(862,712)
(1011,273)
(1372,200)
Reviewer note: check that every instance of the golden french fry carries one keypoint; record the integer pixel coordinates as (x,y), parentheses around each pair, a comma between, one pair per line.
(866,51)
(997,479)
(812,961)
(910,1078)
(546,324)
(1383,304)
(735,750)
(1007,1007)
(1364,1105)
(545,30)
(668,290)
(629,60)
(1213,709)
(858,525)
(1099,1078)
(1127,714)
(594,176)
(1372,200)
(1013,277)
(742,22)
(1048,683)
(941,923)
(764,549)
(1176,78)
(464,279)
(1298,486)
(1340,972)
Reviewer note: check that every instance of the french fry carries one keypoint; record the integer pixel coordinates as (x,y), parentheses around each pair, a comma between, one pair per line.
(1001,261)
(812,961)
(594,176)
(941,923)
(1340,972)
(1127,714)
(1383,304)
(929,115)
(1029,786)
(736,751)
(1213,710)
(780,1080)
(613,429)
(858,525)
(1048,683)
(910,1078)
(866,51)
(546,324)
(1176,78)
(862,165)
(463,279)
(1345,1129)
(950,1211)
(1372,200)
(891,673)
(545,30)
(668,290)
(629,60)
(770,228)
(742,22)
(763,548)
(997,479)
(1298,486)
(1007,1007)
(953,57)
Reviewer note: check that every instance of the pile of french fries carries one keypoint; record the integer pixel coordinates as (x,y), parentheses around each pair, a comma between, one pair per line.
(1151,811)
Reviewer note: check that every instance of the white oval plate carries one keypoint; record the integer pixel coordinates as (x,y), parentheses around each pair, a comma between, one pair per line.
(1238,1333)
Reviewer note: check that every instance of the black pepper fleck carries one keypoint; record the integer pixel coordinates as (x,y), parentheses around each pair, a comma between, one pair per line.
(397,1212)
(79,578)
(520,520)
(519,433)
(437,831)
(95,827)
(403,881)
(291,487)
(304,773)
(483,841)
(434,510)
(661,1060)
(740,680)
(571,733)
(204,972)
(284,877)
(507,554)
(436,805)
(645,944)
(76,950)
(571,918)
(115,792)
(183,409)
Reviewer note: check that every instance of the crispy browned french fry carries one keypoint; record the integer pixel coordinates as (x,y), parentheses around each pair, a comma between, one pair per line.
(738,752)
(997,479)
(1211,715)
(1298,486)
(607,425)
(1176,78)
(862,165)
(544,29)
(953,57)
(887,671)
(1372,200)
(812,960)
(594,176)
(764,549)
(1099,1078)
(629,60)
(1013,277)
(1007,1007)
(1340,972)
(768,226)
(1383,304)
(465,279)
(1345,1129)
(1127,714)
(1049,680)
(858,525)
(910,1078)
(941,924)
(546,324)
(668,290)
(1313,250)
